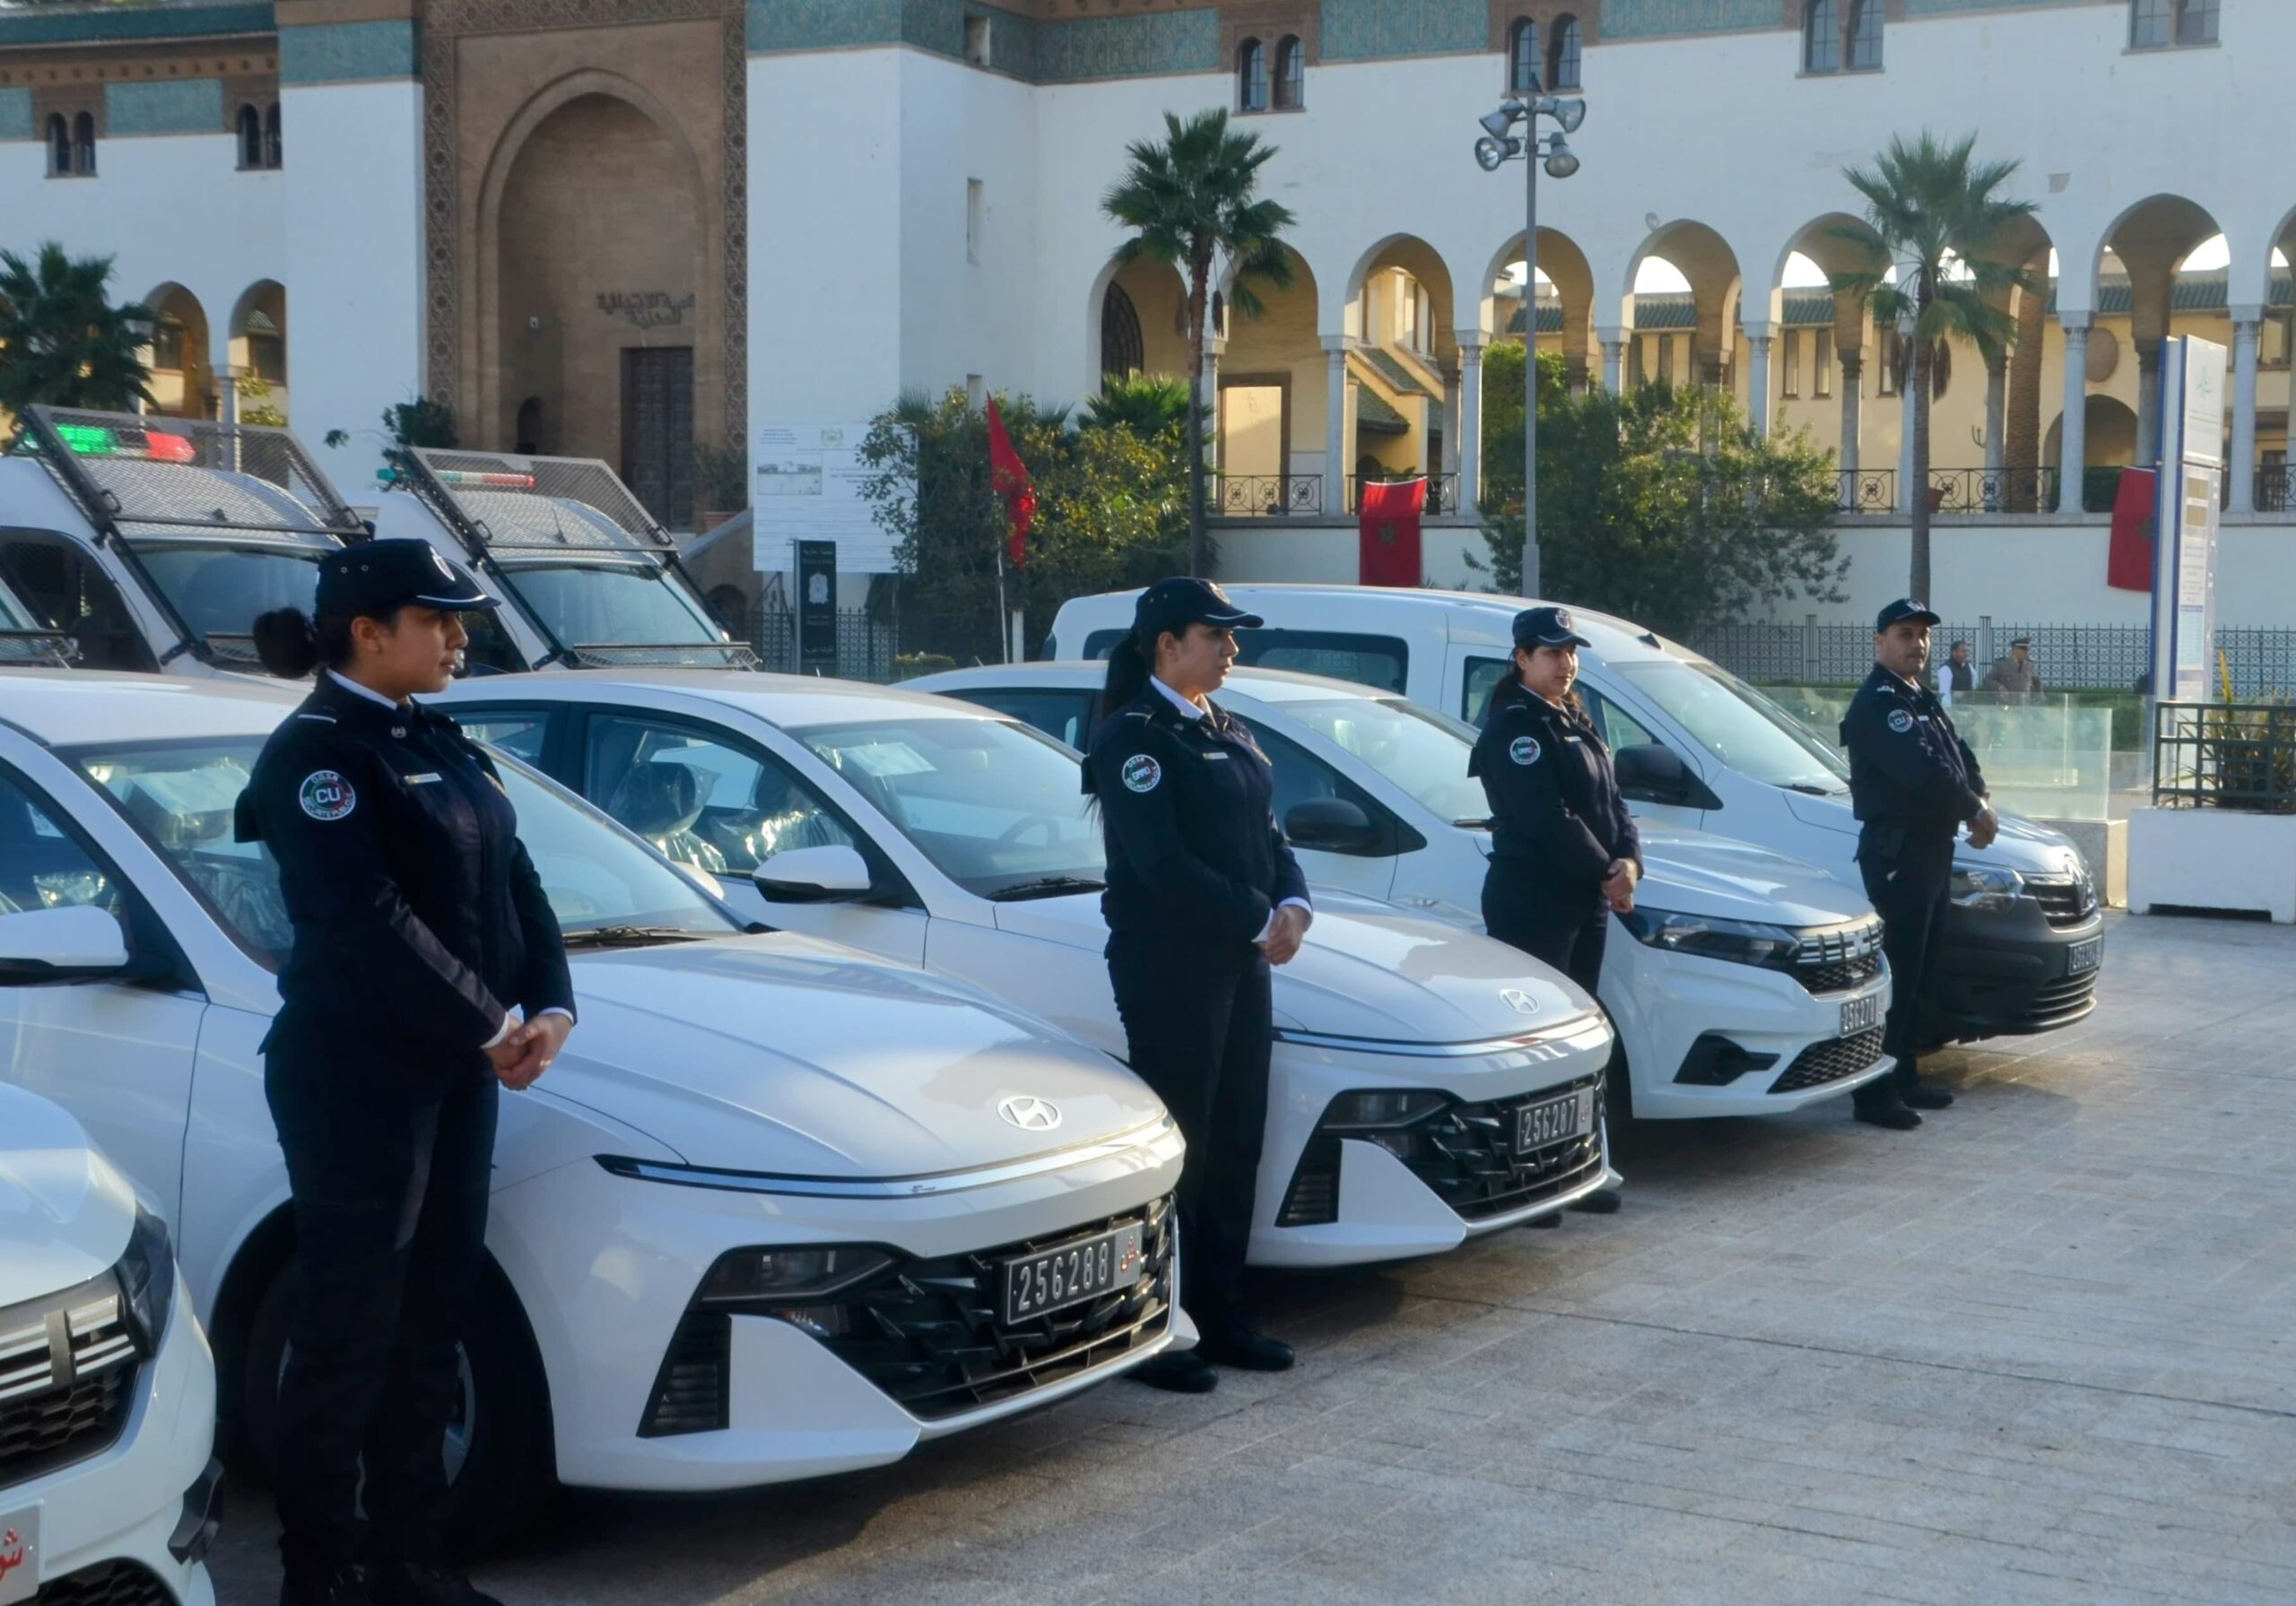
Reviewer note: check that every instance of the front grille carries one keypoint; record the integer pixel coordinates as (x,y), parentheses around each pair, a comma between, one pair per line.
(931,1334)
(107,1584)
(1467,1154)
(1839,958)
(58,1409)
(2064,899)
(2058,1003)
(1839,977)
(1831,1061)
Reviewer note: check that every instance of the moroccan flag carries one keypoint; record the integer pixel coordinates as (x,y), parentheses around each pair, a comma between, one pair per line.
(1386,523)
(1011,478)
(2128,559)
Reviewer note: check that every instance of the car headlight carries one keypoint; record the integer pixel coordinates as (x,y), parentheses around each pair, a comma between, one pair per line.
(1736,942)
(1374,1112)
(147,1280)
(776,1276)
(1985,886)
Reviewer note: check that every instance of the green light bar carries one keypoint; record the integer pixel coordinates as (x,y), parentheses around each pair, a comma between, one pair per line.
(89,440)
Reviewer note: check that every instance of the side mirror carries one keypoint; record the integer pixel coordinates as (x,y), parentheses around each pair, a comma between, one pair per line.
(833,874)
(1331,824)
(75,944)
(1652,773)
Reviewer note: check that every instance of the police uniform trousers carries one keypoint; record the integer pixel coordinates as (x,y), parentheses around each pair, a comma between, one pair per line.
(1563,927)
(1198,1024)
(1909,880)
(390,1173)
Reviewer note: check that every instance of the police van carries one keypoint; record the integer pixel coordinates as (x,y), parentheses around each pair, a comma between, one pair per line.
(1695,747)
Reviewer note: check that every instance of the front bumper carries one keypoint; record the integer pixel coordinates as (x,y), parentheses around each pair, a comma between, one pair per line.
(122,1523)
(2004,972)
(606,1266)
(1387,1209)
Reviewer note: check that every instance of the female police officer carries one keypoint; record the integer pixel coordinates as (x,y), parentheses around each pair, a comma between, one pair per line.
(420,929)
(1203,896)
(1564,851)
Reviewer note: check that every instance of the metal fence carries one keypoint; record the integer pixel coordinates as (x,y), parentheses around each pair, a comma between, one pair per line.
(2225,756)
(864,646)
(2070,657)
(1264,496)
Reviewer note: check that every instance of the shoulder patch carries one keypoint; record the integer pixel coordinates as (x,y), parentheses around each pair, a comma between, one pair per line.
(1141,773)
(1900,721)
(1524,750)
(326,795)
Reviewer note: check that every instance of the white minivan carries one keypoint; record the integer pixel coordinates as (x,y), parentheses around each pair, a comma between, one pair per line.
(1696,747)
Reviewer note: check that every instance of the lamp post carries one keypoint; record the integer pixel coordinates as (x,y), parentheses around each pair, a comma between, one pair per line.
(1494,150)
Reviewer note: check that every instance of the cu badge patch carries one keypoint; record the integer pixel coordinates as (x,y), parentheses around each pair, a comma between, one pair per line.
(326,795)
(1141,773)
(1524,750)
(1900,721)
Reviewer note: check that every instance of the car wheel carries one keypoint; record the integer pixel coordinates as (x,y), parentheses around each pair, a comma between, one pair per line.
(497,1445)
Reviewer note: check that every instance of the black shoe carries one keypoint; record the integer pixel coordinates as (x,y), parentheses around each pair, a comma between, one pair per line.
(342,1586)
(417,1583)
(1929,1096)
(1605,1202)
(1896,1117)
(1247,1351)
(1178,1372)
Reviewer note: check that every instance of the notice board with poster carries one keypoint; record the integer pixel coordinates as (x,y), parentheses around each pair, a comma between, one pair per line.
(805,484)
(817,607)
(2184,551)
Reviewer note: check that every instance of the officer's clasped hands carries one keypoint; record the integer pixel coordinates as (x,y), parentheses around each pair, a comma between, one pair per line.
(1618,885)
(1286,930)
(520,1059)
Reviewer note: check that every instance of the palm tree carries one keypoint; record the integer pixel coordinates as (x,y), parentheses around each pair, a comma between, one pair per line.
(61,339)
(1190,202)
(1147,405)
(1940,215)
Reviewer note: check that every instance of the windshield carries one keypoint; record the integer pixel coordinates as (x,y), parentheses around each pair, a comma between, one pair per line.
(996,806)
(219,590)
(1421,752)
(181,796)
(613,605)
(1744,730)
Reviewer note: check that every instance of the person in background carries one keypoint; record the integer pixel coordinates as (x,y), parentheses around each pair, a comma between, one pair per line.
(2016,677)
(1957,675)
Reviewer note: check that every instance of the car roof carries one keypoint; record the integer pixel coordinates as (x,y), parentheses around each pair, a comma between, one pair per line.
(1262,685)
(65,707)
(778,700)
(1463,616)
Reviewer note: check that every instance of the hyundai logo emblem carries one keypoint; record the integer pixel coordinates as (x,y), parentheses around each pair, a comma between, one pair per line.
(1030,1113)
(1520,1002)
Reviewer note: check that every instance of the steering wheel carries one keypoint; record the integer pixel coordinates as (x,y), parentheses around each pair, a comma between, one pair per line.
(1013,832)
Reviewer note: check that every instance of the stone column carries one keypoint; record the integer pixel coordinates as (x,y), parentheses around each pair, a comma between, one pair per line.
(2246,324)
(1853,375)
(1614,358)
(2148,401)
(1470,424)
(1211,349)
(1336,424)
(1996,420)
(2072,453)
(1757,341)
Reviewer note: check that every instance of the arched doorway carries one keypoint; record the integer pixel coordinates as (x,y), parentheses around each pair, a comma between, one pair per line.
(183,376)
(259,352)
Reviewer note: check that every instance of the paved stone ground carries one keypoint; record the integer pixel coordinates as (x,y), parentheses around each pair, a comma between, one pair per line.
(2038,1351)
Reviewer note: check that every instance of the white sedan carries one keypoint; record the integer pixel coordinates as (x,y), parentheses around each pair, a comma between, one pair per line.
(1428,1084)
(779,1210)
(1745,983)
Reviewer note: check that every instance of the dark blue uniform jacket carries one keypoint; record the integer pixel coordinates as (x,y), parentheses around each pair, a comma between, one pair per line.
(1187,808)
(418,917)
(1555,807)
(1910,770)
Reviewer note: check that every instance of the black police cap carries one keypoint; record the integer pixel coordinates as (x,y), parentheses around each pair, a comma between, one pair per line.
(1905,607)
(378,577)
(1181,600)
(1547,626)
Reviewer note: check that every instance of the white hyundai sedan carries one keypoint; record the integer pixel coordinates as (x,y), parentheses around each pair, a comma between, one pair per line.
(1428,1084)
(779,1210)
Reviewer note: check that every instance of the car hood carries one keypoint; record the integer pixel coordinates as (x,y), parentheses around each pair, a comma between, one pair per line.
(1369,969)
(2023,845)
(65,1212)
(783,1054)
(1698,872)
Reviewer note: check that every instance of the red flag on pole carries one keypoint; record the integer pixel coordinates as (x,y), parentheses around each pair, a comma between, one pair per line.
(1011,477)
(2128,559)
(1387,524)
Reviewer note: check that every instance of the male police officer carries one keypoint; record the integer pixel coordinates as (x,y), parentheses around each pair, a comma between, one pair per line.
(1914,781)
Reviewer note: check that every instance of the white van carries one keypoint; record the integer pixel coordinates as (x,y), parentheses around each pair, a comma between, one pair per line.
(1695,747)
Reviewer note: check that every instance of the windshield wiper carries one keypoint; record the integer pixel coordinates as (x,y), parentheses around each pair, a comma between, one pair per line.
(631,936)
(1807,790)
(1050,886)
(1472,825)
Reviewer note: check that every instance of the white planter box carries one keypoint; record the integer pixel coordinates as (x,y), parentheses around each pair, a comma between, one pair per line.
(2213,859)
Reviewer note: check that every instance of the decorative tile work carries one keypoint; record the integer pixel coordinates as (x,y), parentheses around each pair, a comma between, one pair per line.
(114,22)
(1952,8)
(1651,19)
(17,115)
(1367,29)
(347,52)
(1150,46)
(939,26)
(778,25)
(190,106)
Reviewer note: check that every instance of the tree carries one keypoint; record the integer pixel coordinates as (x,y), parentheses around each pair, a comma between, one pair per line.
(1190,202)
(420,422)
(63,342)
(1112,512)
(1144,404)
(1667,507)
(1940,216)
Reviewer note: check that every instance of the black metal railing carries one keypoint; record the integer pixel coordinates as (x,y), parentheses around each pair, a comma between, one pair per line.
(2277,488)
(1992,490)
(1867,490)
(2239,756)
(1264,496)
(1442,491)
